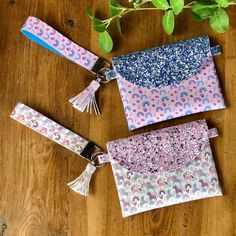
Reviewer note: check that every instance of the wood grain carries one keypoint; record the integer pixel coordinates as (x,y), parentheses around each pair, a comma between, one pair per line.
(34,198)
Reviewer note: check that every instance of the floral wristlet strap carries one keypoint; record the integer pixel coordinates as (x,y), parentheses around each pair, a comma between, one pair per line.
(46,36)
(61,135)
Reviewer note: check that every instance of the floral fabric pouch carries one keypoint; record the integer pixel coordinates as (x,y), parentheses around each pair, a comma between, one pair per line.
(164,167)
(155,84)
(166,82)
(151,170)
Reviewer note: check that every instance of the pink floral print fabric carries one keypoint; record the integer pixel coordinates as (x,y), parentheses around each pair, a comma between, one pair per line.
(198,93)
(141,191)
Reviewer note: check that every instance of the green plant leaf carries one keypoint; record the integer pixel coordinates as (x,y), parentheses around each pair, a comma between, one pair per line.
(219,21)
(223,3)
(105,41)
(168,22)
(89,11)
(114,7)
(114,11)
(177,6)
(161,4)
(203,10)
(207,2)
(196,17)
(115,3)
(98,25)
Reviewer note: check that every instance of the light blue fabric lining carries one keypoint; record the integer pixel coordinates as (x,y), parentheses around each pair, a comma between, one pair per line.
(39,41)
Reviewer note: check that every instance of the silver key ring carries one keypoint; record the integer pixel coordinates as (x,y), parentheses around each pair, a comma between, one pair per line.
(94,159)
(101,76)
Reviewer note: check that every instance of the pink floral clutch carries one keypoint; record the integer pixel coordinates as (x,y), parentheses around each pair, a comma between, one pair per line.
(164,167)
(155,84)
(151,170)
(166,82)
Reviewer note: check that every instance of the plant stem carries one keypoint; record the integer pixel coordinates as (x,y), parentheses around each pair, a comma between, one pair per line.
(138,7)
(109,20)
(191,3)
(143,9)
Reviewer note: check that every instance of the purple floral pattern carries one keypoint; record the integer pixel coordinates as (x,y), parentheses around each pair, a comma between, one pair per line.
(139,192)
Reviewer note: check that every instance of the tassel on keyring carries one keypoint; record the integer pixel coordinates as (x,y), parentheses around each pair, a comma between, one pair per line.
(86,99)
(81,184)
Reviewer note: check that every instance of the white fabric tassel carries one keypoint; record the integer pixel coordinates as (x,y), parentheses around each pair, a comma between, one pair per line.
(81,184)
(86,99)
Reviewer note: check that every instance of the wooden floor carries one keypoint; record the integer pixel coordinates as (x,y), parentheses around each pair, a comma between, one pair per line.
(34,198)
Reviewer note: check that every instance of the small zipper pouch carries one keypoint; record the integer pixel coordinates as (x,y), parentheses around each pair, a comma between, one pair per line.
(155,84)
(151,170)
(164,167)
(167,82)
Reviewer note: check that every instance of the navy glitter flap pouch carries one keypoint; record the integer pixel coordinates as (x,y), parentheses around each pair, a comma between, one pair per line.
(167,82)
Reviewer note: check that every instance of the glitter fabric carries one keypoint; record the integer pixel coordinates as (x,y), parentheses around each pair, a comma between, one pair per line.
(172,87)
(165,167)
(165,65)
(198,93)
(161,150)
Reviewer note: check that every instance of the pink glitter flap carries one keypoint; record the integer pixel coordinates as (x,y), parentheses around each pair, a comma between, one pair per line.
(162,150)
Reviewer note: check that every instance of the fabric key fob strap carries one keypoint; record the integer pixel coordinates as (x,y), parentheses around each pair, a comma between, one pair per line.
(68,139)
(43,34)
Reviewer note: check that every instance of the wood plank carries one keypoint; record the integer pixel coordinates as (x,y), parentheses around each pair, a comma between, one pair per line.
(34,198)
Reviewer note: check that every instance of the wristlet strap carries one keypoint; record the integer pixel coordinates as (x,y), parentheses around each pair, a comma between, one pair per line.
(48,128)
(46,36)
(63,136)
